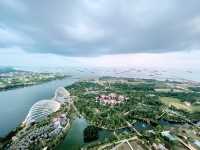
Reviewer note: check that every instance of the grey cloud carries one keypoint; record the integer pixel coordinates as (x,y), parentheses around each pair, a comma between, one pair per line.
(96,27)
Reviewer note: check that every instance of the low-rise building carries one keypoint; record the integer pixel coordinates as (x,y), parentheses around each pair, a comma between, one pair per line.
(111,99)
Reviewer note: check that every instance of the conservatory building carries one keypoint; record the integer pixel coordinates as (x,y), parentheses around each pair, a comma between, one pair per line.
(41,110)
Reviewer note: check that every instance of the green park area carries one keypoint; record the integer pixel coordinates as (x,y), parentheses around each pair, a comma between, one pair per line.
(141,102)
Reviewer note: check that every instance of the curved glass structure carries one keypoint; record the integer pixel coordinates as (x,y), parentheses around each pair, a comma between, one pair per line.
(62,92)
(41,109)
(62,95)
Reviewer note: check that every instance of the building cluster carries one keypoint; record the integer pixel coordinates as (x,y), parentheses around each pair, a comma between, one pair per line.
(168,135)
(60,121)
(111,99)
(158,146)
(187,136)
(40,136)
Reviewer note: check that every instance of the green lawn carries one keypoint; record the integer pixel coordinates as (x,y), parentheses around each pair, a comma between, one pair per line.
(169,101)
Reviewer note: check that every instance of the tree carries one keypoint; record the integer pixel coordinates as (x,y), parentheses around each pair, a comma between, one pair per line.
(90,134)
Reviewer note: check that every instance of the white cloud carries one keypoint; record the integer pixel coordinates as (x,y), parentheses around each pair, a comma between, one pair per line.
(11,51)
(15,5)
(195,25)
(10,37)
(84,32)
(100,27)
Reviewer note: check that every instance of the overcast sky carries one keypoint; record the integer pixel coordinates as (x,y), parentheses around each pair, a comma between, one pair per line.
(50,32)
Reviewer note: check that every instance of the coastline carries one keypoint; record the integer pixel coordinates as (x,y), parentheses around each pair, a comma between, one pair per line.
(28,85)
(53,142)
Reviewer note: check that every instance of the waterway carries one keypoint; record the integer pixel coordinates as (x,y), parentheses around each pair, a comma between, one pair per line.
(15,103)
(75,138)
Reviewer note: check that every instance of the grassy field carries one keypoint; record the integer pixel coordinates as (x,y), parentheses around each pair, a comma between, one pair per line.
(169,101)
(163,90)
(168,90)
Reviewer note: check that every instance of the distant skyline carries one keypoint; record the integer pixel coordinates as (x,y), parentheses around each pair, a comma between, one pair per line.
(100,33)
(184,60)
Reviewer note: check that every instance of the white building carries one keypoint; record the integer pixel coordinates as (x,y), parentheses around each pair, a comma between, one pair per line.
(41,110)
(62,95)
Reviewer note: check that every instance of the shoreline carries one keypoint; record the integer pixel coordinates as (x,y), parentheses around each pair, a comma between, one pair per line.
(29,85)
(7,141)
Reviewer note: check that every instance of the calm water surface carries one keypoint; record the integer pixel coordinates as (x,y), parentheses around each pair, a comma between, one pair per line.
(74,139)
(15,104)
